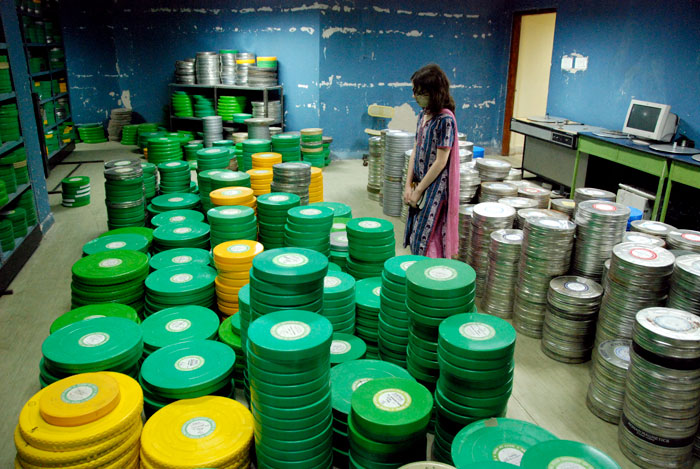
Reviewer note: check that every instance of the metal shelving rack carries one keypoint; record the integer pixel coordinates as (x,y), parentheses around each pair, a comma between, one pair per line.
(266,91)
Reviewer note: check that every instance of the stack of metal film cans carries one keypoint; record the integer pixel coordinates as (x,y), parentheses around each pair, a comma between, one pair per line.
(185,71)
(272,111)
(435,290)
(469,182)
(653,228)
(685,284)
(407,161)
(367,304)
(339,301)
(565,206)
(475,355)
(213,130)
(465,230)
(528,213)
(312,147)
(259,127)
(371,243)
(207,68)
(600,226)
(493,191)
(388,422)
(273,210)
(374,167)
(685,240)
(583,194)
(339,247)
(244,61)
(75,191)
(309,227)
(264,74)
(393,314)
(486,218)
(662,393)
(504,260)
(124,193)
(396,145)
(607,389)
(287,144)
(537,194)
(289,371)
(570,320)
(492,169)
(546,253)
(638,278)
(292,177)
(227,59)
(518,202)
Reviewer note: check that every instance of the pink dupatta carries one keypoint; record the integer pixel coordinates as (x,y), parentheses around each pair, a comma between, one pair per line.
(448,247)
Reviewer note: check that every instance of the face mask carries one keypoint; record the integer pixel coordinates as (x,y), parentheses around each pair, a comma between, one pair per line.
(423,100)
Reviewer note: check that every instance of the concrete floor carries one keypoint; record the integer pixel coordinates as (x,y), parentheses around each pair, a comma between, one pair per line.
(546,392)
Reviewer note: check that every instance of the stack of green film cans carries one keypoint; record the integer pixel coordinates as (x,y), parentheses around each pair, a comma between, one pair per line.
(289,370)
(146,132)
(75,191)
(213,158)
(205,185)
(180,256)
(139,230)
(435,290)
(114,276)
(345,379)
(346,347)
(18,218)
(230,105)
(150,184)
(117,242)
(272,217)
(312,147)
(99,310)
(475,355)
(367,302)
(18,158)
(90,133)
(190,284)
(174,176)
(393,315)
(7,175)
(7,236)
(232,222)
(174,201)
(182,104)
(177,216)
(371,243)
(124,193)
(26,202)
(339,248)
(164,149)
(4,196)
(251,146)
(327,150)
(130,134)
(241,117)
(203,107)
(100,344)
(5,79)
(341,211)
(9,123)
(191,150)
(186,234)
(309,227)
(388,422)
(186,370)
(42,88)
(230,334)
(179,324)
(227,178)
(288,145)
(245,315)
(339,301)
(287,278)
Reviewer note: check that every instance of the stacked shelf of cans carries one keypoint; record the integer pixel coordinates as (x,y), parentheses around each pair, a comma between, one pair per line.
(292,177)
(367,293)
(374,168)
(288,145)
(272,217)
(185,71)
(75,191)
(371,243)
(233,261)
(124,193)
(309,227)
(339,301)
(231,222)
(607,389)
(504,261)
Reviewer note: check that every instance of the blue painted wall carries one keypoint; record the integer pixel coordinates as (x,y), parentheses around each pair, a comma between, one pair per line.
(636,49)
(336,58)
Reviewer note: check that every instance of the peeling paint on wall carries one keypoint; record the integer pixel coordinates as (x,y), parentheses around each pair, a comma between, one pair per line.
(328,32)
(308,29)
(126,99)
(405,118)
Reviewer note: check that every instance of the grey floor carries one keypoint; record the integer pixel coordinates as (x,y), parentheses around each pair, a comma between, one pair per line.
(546,392)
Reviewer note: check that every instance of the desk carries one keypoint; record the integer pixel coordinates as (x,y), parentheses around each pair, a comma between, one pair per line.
(684,170)
(625,153)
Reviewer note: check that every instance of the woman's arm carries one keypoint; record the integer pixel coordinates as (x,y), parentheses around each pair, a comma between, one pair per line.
(408,188)
(443,155)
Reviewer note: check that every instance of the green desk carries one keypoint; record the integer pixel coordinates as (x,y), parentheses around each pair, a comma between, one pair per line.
(684,170)
(625,153)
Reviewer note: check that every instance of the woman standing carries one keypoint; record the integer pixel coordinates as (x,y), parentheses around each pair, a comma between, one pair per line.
(432,182)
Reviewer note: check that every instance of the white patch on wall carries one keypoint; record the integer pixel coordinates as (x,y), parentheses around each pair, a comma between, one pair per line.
(292,29)
(347,9)
(400,84)
(247,10)
(314,6)
(405,118)
(267,9)
(112,93)
(472,17)
(308,29)
(454,15)
(428,13)
(218,29)
(126,99)
(381,10)
(465,106)
(574,63)
(84,76)
(328,32)
(414,33)
(200,10)
(486,104)
(475,36)
(303,86)
(404,12)
(381,83)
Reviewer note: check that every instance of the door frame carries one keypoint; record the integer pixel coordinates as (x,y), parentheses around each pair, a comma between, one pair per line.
(513,72)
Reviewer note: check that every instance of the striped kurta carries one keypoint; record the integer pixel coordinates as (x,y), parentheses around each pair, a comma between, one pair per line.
(438,132)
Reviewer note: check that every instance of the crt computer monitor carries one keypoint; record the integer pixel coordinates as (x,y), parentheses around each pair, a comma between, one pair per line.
(651,121)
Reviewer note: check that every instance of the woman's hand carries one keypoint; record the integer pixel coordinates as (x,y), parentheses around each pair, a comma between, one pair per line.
(415,197)
(407,192)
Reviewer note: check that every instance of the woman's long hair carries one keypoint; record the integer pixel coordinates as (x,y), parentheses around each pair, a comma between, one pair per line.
(433,81)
